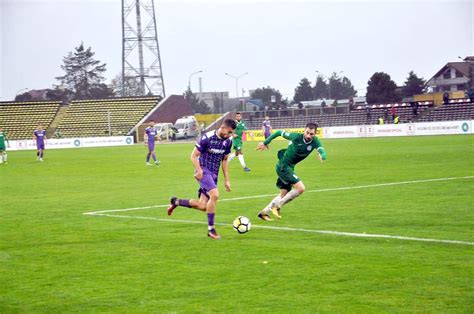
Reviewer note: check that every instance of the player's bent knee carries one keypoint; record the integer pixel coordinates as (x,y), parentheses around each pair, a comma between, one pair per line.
(300,188)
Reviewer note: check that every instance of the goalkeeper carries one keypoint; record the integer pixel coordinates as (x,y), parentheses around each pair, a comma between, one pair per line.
(290,185)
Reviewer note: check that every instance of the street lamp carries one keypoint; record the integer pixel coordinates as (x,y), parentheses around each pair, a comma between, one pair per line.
(189,79)
(236,82)
(329,81)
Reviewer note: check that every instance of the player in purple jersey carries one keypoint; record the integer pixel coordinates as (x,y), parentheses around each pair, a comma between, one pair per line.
(149,137)
(266,127)
(39,135)
(211,150)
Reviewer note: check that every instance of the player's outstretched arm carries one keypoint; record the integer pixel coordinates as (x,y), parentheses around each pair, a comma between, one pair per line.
(261,146)
(321,153)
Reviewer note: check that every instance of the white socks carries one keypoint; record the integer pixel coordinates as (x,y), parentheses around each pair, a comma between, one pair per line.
(242,161)
(289,197)
(3,158)
(268,209)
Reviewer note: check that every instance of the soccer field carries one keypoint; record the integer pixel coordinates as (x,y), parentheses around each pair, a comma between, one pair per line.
(64,249)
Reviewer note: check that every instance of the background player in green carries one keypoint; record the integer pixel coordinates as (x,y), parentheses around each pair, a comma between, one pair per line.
(3,149)
(290,185)
(237,141)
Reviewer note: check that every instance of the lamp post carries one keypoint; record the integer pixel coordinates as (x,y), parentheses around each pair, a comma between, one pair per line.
(189,79)
(236,82)
(329,81)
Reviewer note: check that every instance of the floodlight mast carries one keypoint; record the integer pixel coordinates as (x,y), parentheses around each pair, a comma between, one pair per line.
(141,60)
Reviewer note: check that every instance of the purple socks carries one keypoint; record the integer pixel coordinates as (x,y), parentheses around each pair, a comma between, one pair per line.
(210,219)
(183,202)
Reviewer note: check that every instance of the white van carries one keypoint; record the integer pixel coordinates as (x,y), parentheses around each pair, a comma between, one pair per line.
(164,130)
(187,127)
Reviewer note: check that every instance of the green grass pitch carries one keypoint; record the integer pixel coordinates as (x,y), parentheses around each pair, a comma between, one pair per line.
(55,259)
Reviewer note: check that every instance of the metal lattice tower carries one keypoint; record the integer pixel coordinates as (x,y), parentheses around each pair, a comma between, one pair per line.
(140,51)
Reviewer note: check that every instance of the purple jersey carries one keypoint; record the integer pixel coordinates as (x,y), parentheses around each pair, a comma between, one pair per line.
(151,133)
(40,135)
(267,127)
(213,149)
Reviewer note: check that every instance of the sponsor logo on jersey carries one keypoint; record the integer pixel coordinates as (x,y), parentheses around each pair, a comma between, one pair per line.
(216,151)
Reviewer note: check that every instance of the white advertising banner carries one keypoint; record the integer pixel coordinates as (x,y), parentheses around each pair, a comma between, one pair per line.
(390,130)
(342,131)
(73,142)
(408,129)
(444,127)
(106,141)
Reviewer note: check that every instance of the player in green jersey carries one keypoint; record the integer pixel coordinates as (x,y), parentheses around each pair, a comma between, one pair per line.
(290,185)
(237,141)
(3,149)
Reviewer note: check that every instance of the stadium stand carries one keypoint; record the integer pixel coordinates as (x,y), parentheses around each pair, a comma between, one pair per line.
(85,118)
(456,109)
(20,119)
(297,118)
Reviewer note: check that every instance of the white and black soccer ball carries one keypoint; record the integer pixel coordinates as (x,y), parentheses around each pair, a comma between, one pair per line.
(242,224)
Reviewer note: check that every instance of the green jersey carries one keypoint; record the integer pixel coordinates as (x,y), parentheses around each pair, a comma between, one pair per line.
(298,149)
(3,138)
(239,129)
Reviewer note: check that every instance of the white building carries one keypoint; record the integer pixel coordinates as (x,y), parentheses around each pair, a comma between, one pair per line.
(454,76)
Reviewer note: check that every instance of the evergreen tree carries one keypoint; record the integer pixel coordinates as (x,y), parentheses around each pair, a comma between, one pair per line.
(340,87)
(320,89)
(381,89)
(304,91)
(413,85)
(83,74)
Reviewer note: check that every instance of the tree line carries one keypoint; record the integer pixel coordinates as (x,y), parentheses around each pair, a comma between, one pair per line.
(83,79)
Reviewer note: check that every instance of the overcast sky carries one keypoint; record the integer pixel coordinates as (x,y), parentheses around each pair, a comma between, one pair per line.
(276,42)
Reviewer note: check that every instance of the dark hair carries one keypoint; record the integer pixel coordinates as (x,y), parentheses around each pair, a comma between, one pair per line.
(151,121)
(237,113)
(230,123)
(312,126)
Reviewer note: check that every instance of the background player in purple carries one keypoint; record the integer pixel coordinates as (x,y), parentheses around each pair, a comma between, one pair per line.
(211,149)
(150,136)
(266,127)
(40,137)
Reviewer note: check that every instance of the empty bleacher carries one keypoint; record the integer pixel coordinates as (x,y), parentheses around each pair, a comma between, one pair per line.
(20,119)
(456,109)
(90,118)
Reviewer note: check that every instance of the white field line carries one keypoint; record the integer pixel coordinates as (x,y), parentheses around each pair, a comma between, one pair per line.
(310,191)
(338,233)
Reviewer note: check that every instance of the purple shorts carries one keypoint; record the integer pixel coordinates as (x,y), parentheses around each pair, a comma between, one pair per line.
(40,146)
(151,146)
(267,135)
(207,183)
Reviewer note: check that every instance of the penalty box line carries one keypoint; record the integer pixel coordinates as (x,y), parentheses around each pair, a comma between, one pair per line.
(291,229)
(310,191)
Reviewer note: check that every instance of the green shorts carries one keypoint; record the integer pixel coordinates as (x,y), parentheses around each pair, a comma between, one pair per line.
(2,148)
(237,144)
(286,177)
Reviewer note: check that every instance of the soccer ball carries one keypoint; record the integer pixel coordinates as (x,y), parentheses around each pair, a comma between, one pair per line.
(242,224)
